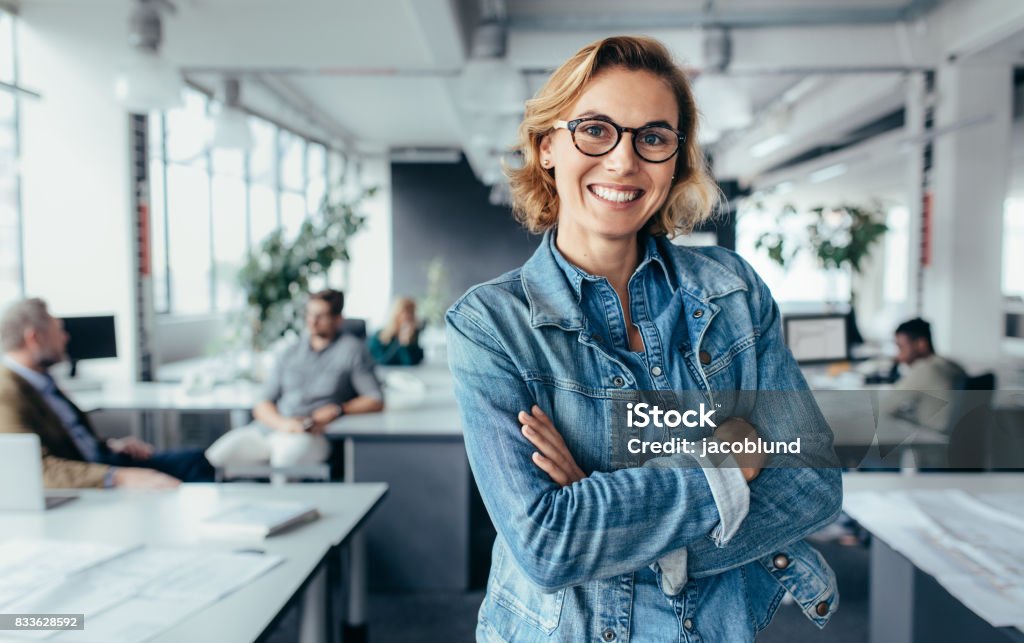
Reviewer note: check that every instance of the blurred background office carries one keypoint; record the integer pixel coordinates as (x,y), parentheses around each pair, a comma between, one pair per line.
(175,175)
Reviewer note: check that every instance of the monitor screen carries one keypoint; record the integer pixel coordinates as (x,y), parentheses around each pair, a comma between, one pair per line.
(817,338)
(90,337)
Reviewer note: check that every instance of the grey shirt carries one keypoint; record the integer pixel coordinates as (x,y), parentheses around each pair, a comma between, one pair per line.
(922,395)
(305,379)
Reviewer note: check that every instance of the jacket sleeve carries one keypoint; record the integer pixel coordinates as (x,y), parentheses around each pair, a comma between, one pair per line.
(61,473)
(57,472)
(794,495)
(603,525)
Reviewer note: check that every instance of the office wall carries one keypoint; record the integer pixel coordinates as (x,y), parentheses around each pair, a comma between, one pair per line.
(441,210)
(75,172)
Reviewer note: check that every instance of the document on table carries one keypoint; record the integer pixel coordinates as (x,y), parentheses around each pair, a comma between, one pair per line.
(128,593)
(971,544)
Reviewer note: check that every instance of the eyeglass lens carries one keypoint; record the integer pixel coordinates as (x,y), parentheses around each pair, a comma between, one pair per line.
(652,143)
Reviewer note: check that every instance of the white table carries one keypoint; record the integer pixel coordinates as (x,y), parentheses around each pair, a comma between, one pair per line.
(171,518)
(415,445)
(162,402)
(906,604)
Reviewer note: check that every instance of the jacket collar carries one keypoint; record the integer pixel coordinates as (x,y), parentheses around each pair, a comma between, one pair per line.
(554,293)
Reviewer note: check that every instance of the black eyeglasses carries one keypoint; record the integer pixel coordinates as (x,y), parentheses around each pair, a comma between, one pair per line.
(596,136)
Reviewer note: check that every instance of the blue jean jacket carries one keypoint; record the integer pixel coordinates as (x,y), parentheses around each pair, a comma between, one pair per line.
(576,563)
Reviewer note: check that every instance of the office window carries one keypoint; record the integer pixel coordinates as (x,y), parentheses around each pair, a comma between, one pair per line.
(263,217)
(10,232)
(188,231)
(1013,247)
(316,170)
(211,208)
(230,234)
(897,255)
(292,182)
(11,286)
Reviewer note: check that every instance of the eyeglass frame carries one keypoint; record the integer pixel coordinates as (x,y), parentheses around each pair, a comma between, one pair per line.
(571,126)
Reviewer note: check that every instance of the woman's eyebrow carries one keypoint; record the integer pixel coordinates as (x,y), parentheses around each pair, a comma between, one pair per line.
(592,114)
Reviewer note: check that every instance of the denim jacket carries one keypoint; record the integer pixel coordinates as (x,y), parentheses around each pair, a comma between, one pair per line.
(568,562)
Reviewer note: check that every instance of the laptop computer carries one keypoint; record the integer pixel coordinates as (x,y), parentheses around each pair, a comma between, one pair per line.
(21,475)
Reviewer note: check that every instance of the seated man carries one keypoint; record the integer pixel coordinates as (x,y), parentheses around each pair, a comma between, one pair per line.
(316,381)
(921,394)
(73,456)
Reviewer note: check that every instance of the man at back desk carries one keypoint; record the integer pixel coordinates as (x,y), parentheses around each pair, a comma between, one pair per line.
(323,376)
(73,455)
(922,393)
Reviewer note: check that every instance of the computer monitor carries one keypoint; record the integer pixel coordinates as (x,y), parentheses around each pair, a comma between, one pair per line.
(90,338)
(817,339)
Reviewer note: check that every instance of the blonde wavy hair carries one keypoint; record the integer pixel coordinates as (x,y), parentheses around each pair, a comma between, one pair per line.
(694,194)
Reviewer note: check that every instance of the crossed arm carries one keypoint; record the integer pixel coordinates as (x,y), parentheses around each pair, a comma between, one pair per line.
(587,529)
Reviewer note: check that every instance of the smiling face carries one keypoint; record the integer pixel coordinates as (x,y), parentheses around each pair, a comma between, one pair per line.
(611,197)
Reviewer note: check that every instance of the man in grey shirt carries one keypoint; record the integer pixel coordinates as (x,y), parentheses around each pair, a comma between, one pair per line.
(922,394)
(324,376)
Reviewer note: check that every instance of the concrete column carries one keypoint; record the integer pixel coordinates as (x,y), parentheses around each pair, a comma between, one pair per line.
(962,284)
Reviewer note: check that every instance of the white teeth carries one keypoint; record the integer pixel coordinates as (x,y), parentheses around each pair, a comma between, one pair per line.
(618,196)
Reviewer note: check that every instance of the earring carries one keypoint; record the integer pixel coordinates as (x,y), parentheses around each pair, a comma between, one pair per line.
(545,163)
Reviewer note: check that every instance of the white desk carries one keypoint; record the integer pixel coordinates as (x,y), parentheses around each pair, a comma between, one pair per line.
(171,517)
(907,605)
(162,402)
(167,396)
(415,445)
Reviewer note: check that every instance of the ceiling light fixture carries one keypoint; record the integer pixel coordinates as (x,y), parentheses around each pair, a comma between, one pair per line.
(826,173)
(771,144)
(231,129)
(147,82)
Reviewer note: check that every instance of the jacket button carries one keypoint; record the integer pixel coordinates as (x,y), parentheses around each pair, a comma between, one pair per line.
(698,313)
(608,635)
(688,624)
(705,358)
(781,561)
(618,381)
(821,608)
(656,371)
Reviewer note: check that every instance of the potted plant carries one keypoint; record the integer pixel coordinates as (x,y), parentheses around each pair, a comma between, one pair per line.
(839,237)
(276,278)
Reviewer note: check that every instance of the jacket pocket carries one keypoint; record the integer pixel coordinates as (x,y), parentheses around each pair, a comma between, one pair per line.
(510,589)
(803,572)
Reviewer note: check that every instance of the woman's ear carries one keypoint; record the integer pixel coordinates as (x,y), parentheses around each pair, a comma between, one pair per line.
(545,159)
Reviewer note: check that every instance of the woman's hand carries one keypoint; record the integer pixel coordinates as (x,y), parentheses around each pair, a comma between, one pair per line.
(737,431)
(552,456)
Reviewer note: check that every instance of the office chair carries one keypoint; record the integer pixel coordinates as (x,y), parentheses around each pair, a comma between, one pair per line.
(970,423)
(353,326)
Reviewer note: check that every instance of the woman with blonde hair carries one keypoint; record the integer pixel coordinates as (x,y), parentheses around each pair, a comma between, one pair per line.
(397,344)
(598,539)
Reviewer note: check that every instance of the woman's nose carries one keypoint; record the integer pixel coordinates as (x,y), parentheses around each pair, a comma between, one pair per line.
(623,158)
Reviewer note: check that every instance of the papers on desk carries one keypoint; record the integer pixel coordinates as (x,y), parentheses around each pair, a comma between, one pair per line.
(257,520)
(970,543)
(126,593)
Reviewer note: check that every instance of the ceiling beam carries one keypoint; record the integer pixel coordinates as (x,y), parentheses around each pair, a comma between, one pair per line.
(758,18)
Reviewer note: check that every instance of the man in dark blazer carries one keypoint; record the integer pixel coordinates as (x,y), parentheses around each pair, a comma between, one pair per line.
(73,455)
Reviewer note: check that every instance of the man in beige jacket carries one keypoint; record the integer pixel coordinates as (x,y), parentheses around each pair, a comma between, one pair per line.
(73,455)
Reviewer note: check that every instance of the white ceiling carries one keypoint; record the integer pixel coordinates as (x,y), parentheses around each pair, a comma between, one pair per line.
(382,75)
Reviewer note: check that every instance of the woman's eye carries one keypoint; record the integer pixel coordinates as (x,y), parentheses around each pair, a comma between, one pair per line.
(595,130)
(653,139)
